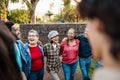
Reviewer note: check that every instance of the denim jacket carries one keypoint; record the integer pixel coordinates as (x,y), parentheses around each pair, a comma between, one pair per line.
(19,52)
(18,56)
(27,63)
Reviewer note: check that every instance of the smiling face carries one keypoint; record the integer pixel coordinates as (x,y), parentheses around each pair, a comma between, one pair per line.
(16,32)
(55,39)
(71,34)
(33,38)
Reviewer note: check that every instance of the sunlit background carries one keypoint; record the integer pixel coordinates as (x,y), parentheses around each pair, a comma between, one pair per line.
(45,11)
(43,6)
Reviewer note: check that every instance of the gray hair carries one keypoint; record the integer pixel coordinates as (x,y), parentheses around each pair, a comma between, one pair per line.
(33,31)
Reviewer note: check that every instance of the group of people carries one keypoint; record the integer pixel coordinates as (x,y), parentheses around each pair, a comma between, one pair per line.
(30,56)
(19,61)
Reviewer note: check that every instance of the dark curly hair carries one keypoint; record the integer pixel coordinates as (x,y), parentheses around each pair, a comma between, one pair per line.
(108,12)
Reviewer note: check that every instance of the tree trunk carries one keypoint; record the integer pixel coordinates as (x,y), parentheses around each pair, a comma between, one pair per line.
(32,17)
(32,12)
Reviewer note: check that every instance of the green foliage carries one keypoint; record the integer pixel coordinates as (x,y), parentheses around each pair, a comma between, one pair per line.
(69,12)
(92,68)
(4,8)
(57,18)
(14,1)
(38,20)
(66,2)
(49,14)
(19,16)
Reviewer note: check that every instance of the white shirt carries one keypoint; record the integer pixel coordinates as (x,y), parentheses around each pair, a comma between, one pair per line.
(54,45)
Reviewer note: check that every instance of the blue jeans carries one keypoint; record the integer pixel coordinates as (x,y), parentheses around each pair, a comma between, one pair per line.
(37,75)
(85,67)
(69,70)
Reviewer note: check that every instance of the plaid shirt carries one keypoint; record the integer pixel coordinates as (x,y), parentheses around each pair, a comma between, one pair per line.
(53,59)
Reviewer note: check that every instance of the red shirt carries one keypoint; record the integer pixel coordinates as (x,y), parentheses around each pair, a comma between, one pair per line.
(36,57)
(69,52)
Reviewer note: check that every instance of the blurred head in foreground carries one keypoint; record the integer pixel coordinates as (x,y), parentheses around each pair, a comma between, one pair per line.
(9,69)
(103,27)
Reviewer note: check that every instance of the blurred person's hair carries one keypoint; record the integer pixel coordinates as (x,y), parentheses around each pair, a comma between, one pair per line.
(108,12)
(9,69)
(9,24)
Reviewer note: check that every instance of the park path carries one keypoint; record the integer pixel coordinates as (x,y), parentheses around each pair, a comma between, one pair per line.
(61,74)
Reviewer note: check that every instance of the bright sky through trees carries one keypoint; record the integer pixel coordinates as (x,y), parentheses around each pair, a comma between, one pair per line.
(42,6)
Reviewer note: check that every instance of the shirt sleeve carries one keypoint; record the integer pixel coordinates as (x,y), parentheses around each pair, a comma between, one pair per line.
(45,50)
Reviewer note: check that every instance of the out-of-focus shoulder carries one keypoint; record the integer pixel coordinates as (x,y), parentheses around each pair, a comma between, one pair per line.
(106,74)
